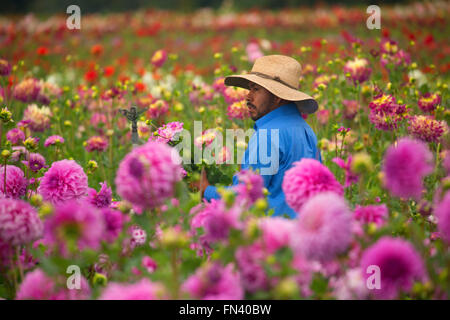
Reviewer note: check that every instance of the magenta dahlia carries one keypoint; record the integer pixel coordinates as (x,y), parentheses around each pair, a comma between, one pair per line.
(372,214)
(306,178)
(65,180)
(405,166)
(16,183)
(429,101)
(102,198)
(39,286)
(399,264)
(324,227)
(15,136)
(19,222)
(147,175)
(75,225)
(142,290)
(442,212)
(214,282)
(426,128)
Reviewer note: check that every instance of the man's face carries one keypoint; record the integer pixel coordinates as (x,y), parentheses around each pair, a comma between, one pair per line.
(259,101)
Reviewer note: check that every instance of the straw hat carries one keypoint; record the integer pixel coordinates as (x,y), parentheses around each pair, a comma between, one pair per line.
(280,75)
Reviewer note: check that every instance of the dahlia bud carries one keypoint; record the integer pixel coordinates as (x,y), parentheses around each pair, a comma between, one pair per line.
(252,230)
(31,144)
(286,289)
(179,107)
(36,200)
(424,208)
(99,279)
(371,228)
(173,238)
(6,154)
(261,204)
(124,206)
(361,163)
(45,210)
(92,166)
(228,197)
(323,144)
(5,115)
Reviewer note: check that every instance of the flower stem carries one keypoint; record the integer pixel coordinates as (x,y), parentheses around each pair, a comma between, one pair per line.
(176,283)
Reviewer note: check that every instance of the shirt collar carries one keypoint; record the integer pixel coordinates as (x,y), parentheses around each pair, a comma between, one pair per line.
(285,109)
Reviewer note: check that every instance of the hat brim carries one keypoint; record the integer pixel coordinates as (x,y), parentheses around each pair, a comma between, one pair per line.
(304,102)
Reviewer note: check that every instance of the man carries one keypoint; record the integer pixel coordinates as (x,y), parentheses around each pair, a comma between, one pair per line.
(275,104)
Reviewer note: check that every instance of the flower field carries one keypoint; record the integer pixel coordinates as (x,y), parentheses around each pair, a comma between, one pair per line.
(85,214)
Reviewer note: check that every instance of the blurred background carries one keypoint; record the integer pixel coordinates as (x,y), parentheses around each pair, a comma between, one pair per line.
(99,6)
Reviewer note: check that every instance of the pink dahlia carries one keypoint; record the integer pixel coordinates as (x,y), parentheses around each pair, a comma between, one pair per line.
(16,183)
(206,138)
(74,225)
(400,265)
(253,51)
(27,90)
(149,264)
(442,212)
(358,69)
(429,101)
(35,162)
(324,227)
(38,286)
(5,67)
(53,140)
(214,282)
(276,232)
(238,110)
(427,129)
(386,113)
(102,198)
(351,108)
(19,222)
(217,220)
(158,58)
(350,286)
(219,84)
(113,221)
(250,260)
(65,180)
(306,178)
(234,94)
(169,132)
(405,166)
(372,214)
(350,177)
(39,117)
(142,290)
(96,143)
(157,108)
(15,136)
(147,175)
(250,187)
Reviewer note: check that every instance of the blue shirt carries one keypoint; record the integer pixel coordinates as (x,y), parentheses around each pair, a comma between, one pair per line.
(283,130)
